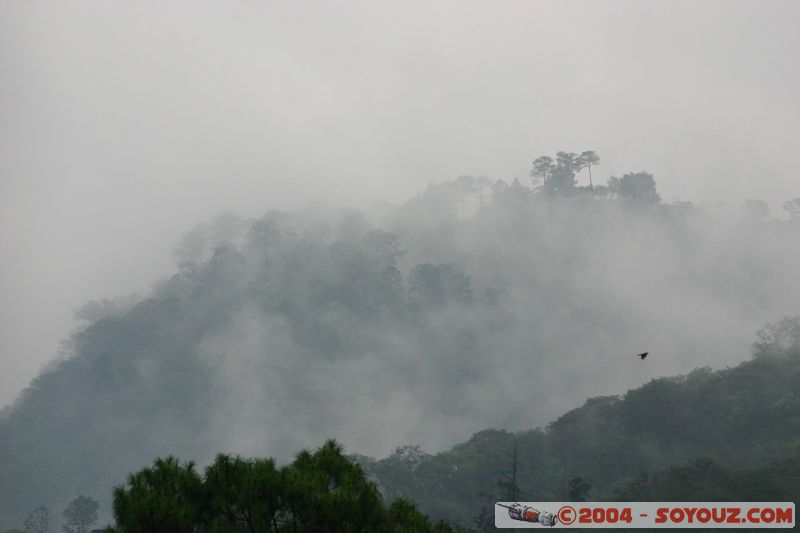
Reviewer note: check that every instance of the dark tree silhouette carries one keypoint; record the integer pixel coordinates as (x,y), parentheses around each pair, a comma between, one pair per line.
(543,168)
(81,513)
(586,160)
(638,186)
(37,521)
(558,176)
(164,497)
(484,522)
(319,491)
(509,489)
(267,235)
(578,489)
(563,177)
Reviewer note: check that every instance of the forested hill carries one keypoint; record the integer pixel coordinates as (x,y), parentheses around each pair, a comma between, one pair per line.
(619,447)
(475,304)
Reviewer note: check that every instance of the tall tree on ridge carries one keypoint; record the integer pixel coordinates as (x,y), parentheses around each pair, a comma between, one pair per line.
(587,159)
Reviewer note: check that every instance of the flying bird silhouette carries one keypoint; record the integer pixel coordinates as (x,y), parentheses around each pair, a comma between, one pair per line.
(642,355)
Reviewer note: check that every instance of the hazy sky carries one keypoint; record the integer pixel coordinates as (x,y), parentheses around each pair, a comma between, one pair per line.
(121,125)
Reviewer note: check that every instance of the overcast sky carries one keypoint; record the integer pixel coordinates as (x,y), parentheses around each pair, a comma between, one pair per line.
(123,124)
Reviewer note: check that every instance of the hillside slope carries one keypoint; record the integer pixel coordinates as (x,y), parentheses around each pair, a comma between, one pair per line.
(743,417)
(472,305)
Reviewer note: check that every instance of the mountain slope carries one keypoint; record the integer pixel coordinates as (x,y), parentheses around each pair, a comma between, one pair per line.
(472,305)
(742,417)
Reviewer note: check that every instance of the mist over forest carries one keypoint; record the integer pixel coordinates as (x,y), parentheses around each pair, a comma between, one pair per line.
(479,303)
(375,266)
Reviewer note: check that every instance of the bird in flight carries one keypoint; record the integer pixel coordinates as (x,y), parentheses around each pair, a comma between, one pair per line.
(642,355)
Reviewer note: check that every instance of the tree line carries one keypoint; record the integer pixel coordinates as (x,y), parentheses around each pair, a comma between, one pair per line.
(726,435)
(79,516)
(559,176)
(320,491)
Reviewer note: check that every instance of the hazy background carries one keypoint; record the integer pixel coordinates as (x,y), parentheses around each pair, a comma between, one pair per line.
(122,125)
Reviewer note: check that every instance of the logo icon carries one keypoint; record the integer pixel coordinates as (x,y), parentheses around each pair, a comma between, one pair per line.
(529,514)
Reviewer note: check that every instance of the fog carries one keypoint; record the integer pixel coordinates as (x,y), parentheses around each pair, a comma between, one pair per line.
(562,294)
(359,284)
(121,126)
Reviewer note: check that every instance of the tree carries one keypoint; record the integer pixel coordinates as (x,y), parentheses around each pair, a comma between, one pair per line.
(758,209)
(558,176)
(578,489)
(484,522)
(320,491)
(586,160)
(637,186)
(562,179)
(164,497)
(509,489)
(37,521)
(793,208)
(439,285)
(510,195)
(778,339)
(267,234)
(543,168)
(242,494)
(464,187)
(81,513)
(704,480)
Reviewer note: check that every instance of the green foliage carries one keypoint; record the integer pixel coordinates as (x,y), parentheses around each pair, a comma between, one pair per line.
(484,521)
(705,480)
(578,489)
(508,489)
(742,417)
(163,497)
(319,491)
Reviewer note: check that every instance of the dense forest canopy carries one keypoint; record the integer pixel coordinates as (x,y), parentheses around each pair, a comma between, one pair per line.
(478,303)
(319,491)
